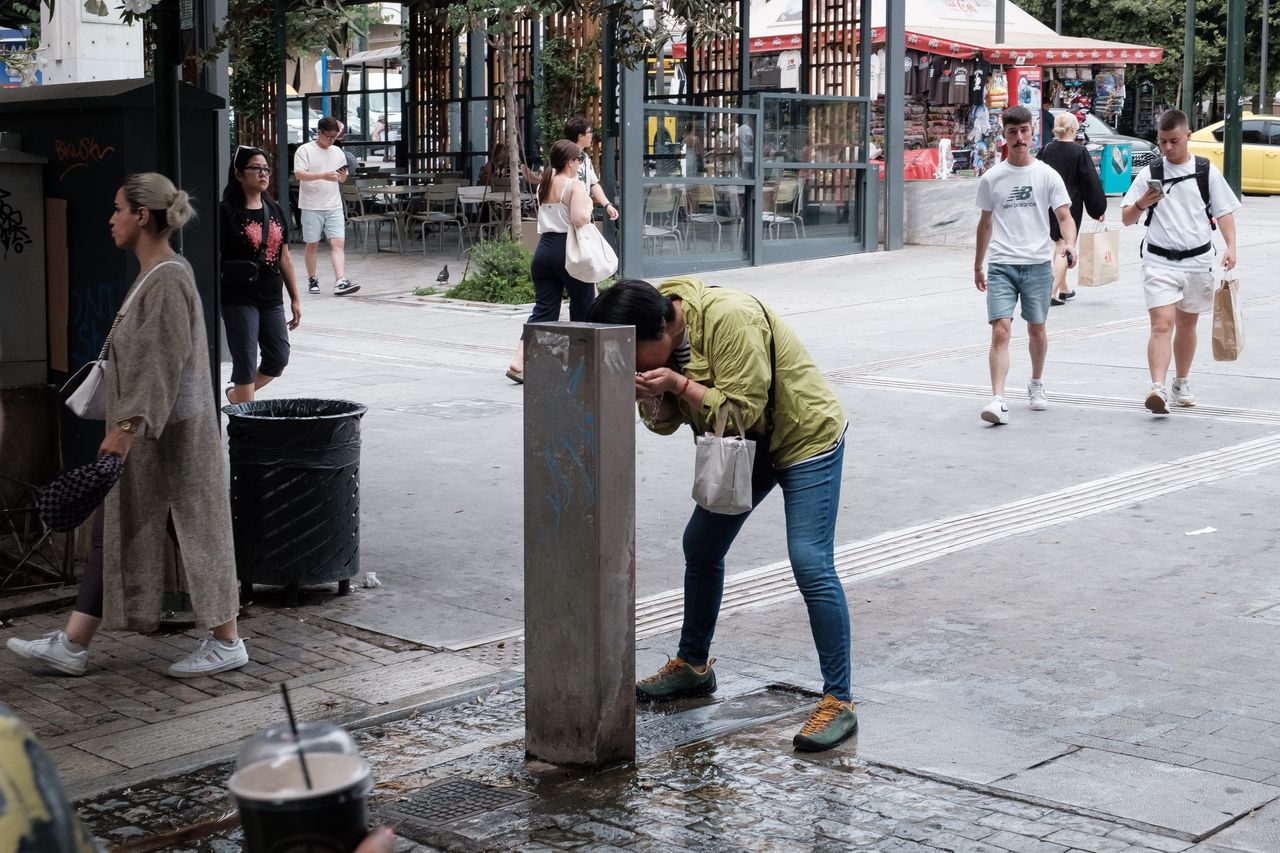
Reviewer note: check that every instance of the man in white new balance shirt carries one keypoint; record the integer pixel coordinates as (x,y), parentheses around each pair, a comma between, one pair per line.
(1177,259)
(1013,197)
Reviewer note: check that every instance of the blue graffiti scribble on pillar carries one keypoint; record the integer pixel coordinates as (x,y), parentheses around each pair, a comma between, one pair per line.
(13,234)
(92,311)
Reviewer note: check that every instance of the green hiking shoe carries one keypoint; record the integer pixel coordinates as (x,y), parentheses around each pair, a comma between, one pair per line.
(677,680)
(830,723)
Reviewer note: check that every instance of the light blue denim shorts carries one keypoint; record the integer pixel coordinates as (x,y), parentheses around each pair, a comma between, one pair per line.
(328,222)
(1007,283)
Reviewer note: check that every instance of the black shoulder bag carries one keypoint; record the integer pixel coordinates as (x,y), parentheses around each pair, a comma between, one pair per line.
(246,272)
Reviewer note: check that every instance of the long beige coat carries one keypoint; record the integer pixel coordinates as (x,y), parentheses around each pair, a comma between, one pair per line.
(175,473)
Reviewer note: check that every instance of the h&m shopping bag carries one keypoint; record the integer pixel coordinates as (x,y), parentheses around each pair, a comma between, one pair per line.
(1228,322)
(1099,258)
(722,467)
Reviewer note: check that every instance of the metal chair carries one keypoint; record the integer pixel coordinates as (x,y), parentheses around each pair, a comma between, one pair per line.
(661,217)
(787,206)
(360,221)
(441,210)
(29,549)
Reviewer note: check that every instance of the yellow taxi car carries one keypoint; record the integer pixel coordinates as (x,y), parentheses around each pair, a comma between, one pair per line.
(1260,160)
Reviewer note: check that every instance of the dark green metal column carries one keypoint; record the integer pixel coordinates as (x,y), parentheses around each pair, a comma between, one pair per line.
(283,167)
(1188,64)
(1231,157)
(168,58)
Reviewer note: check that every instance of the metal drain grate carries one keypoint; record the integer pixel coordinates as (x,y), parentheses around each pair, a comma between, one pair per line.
(452,800)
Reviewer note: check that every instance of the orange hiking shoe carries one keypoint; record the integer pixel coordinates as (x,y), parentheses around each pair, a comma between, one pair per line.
(830,723)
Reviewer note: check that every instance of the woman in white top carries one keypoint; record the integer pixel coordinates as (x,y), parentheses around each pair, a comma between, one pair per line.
(562,204)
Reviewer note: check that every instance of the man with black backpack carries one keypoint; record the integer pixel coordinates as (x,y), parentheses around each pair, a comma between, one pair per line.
(1183,199)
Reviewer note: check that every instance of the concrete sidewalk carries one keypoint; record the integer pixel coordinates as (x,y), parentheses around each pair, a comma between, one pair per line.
(1078,610)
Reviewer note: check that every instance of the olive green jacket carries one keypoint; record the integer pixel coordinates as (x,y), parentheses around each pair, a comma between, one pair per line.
(729,339)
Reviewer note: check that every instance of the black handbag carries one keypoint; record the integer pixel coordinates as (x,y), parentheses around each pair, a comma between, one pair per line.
(243,272)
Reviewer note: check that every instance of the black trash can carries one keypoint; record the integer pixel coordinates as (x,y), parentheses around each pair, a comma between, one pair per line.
(295,493)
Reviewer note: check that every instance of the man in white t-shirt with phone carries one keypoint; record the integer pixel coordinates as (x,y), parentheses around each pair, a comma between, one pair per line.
(1013,197)
(320,166)
(1181,204)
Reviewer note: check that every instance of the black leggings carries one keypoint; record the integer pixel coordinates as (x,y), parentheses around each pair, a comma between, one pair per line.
(551,280)
(89,599)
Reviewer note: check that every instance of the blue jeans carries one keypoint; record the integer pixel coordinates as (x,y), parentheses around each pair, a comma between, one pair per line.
(811,491)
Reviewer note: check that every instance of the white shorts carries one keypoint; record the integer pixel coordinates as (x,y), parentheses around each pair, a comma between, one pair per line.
(329,222)
(1191,291)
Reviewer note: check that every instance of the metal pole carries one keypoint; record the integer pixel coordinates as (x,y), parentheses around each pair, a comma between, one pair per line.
(1264,106)
(1057,18)
(999,21)
(168,57)
(579,543)
(1231,156)
(283,166)
(895,37)
(1188,64)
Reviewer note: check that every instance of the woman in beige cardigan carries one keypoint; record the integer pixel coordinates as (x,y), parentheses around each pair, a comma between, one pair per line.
(170,510)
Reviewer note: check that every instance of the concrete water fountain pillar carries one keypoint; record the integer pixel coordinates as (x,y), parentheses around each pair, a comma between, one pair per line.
(579,543)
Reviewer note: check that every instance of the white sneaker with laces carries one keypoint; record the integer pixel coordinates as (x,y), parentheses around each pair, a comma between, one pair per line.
(1035,390)
(345,287)
(1157,400)
(211,656)
(55,650)
(1182,393)
(996,412)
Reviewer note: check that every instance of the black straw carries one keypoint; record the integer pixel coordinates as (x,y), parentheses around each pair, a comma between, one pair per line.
(293,724)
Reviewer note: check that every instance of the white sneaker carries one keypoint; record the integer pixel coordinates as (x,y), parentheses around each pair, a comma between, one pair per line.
(211,656)
(1182,393)
(1035,390)
(996,412)
(345,287)
(55,650)
(1157,400)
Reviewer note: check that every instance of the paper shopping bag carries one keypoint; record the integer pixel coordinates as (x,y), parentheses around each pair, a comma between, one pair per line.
(1099,258)
(1228,322)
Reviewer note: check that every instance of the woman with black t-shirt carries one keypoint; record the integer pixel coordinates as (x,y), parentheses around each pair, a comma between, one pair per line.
(255,263)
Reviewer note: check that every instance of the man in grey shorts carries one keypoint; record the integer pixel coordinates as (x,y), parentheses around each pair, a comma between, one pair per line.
(320,166)
(1013,197)
(1182,203)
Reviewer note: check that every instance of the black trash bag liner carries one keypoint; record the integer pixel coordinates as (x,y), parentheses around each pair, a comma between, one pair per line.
(295,433)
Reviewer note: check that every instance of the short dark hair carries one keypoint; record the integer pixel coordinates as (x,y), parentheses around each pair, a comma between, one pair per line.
(1172,120)
(1015,116)
(633,302)
(575,127)
(328,124)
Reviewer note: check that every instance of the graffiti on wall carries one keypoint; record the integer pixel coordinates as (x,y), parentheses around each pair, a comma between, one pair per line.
(13,233)
(79,153)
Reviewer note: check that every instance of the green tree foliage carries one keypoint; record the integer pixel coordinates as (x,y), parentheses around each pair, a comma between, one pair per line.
(569,85)
(310,26)
(1160,23)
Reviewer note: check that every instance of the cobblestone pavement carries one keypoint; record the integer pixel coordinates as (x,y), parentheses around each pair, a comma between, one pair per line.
(745,790)
(127,721)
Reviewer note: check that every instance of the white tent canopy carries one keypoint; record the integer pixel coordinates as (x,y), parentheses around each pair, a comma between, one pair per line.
(958,28)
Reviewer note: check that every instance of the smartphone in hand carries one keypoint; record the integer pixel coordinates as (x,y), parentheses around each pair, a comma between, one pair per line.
(1154,185)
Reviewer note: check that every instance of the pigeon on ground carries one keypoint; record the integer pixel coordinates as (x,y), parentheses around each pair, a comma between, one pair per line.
(443,278)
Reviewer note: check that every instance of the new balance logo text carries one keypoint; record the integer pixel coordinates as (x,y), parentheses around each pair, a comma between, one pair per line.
(1020,197)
